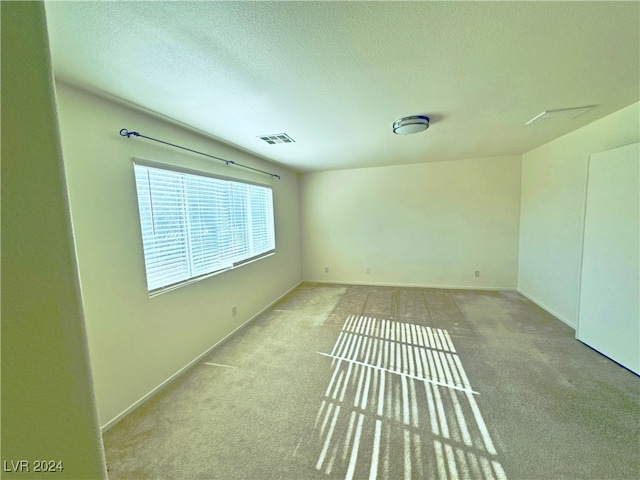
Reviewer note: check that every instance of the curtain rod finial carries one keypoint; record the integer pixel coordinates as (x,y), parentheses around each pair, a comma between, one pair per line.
(126,133)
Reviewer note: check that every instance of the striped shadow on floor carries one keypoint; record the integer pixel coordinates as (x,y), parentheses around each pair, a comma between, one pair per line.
(399,405)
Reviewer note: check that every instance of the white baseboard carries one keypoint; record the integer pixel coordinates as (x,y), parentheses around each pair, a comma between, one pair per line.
(547,309)
(412,285)
(191,364)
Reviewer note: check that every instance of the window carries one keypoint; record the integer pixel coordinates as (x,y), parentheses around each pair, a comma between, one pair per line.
(194,225)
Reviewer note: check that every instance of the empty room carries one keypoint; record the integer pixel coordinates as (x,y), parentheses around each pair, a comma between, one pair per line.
(306,240)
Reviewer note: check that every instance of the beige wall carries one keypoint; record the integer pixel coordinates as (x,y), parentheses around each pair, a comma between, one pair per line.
(554,180)
(431,224)
(137,343)
(48,409)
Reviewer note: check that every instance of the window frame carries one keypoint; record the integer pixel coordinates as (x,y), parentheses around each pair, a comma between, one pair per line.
(171,168)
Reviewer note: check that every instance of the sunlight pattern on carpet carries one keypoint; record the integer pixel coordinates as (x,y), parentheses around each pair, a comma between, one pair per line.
(398,391)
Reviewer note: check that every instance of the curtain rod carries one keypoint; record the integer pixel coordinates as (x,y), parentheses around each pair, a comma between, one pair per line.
(126,133)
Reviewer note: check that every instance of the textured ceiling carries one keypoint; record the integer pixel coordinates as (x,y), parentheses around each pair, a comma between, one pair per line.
(335,75)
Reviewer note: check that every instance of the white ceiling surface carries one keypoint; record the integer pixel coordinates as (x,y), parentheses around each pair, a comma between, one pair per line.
(335,75)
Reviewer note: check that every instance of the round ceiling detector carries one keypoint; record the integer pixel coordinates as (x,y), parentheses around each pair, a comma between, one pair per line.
(408,125)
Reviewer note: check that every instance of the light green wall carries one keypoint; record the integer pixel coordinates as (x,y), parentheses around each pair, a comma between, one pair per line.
(137,343)
(48,410)
(552,210)
(430,224)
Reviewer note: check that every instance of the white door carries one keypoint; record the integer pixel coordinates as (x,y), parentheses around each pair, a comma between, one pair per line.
(609,319)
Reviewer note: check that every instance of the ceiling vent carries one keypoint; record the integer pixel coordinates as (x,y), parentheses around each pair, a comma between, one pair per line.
(276,138)
(560,114)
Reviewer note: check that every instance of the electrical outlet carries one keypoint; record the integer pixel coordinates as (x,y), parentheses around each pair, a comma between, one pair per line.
(234,311)
(477,273)
(326,269)
(368,271)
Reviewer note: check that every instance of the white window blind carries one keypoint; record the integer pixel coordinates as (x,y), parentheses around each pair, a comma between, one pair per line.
(195,225)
